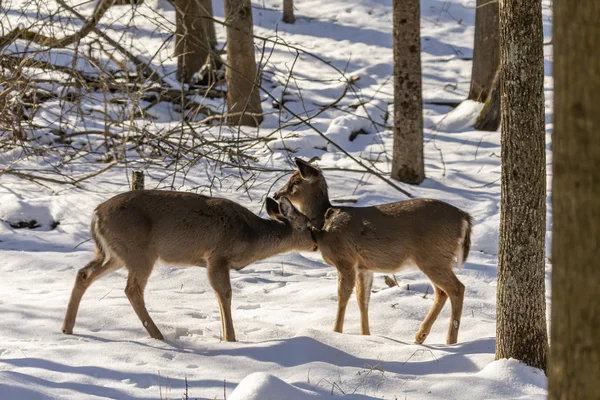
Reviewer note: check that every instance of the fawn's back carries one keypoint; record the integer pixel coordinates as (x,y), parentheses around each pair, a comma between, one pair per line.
(389,237)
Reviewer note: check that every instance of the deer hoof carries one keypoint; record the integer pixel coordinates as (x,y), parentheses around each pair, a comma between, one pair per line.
(420,337)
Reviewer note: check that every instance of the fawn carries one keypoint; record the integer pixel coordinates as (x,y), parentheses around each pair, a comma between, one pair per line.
(358,241)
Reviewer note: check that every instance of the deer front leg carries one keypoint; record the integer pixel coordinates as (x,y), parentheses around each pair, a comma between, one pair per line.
(364,283)
(218,276)
(346,279)
(136,282)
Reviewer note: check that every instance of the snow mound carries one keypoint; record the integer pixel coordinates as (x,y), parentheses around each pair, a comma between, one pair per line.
(357,131)
(21,214)
(462,117)
(501,379)
(514,374)
(263,386)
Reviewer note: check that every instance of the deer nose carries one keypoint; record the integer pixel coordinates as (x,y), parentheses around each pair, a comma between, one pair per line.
(278,195)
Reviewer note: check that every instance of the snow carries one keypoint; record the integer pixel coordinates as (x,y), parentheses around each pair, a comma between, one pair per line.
(283,307)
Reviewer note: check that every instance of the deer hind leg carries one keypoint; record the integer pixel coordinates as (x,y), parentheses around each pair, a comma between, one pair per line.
(434,311)
(139,273)
(443,278)
(346,280)
(85,276)
(364,283)
(218,276)
(456,291)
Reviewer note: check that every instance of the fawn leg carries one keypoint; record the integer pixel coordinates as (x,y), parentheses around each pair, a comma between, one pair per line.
(364,283)
(434,311)
(346,279)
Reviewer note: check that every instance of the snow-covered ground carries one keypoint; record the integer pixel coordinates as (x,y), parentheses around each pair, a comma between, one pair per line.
(283,307)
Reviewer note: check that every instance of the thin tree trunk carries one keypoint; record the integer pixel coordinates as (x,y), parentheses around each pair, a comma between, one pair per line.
(489,117)
(243,97)
(574,369)
(407,161)
(137,180)
(486,51)
(288,12)
(127,2)
(193,46)
(521,331)
(209,23)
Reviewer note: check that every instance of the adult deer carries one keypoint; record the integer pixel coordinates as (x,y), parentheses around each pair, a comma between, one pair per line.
(358,241)
(137,228)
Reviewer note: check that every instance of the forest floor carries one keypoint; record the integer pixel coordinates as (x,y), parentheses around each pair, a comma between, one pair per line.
(283,307)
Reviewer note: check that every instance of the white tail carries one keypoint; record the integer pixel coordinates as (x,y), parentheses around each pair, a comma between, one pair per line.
(358,241)
(137,228)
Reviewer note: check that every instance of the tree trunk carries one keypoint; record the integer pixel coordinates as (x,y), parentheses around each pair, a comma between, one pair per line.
(521,331)
(489,117)
(486,51)
(193,46)
(137,180)
(127,2)
(210,24)
(243,97)
(407,161)
(288,12)
(574,369)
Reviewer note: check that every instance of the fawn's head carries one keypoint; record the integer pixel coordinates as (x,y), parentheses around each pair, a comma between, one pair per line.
(306,185)
(285,212)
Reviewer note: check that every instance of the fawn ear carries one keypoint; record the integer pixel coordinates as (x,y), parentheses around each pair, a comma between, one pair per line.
(287,208)
(273,209)
(307,171)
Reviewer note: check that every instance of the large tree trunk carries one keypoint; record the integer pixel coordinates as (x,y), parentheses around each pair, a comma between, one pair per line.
(288,12)
(407,161)
(574,369)
(486,51)
(193,42)
(243,97)
(521,331)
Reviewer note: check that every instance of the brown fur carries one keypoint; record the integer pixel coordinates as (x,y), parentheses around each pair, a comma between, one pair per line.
(358,241)
(137,228)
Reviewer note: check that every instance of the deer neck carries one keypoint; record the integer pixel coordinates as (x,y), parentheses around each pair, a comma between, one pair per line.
(316,208)
(274,237)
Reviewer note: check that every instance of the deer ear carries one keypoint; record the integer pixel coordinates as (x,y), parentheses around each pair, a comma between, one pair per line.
(329,213)
(273,209)
(287,208)
(306,170)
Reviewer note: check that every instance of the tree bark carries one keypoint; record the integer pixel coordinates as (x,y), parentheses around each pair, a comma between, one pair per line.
(574,369)
(243,97)
(127,2)
(193,46)
(137,180)
(489,117)
(486,51)
(210,24)
(407,161)
(521,331)
(288,12)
